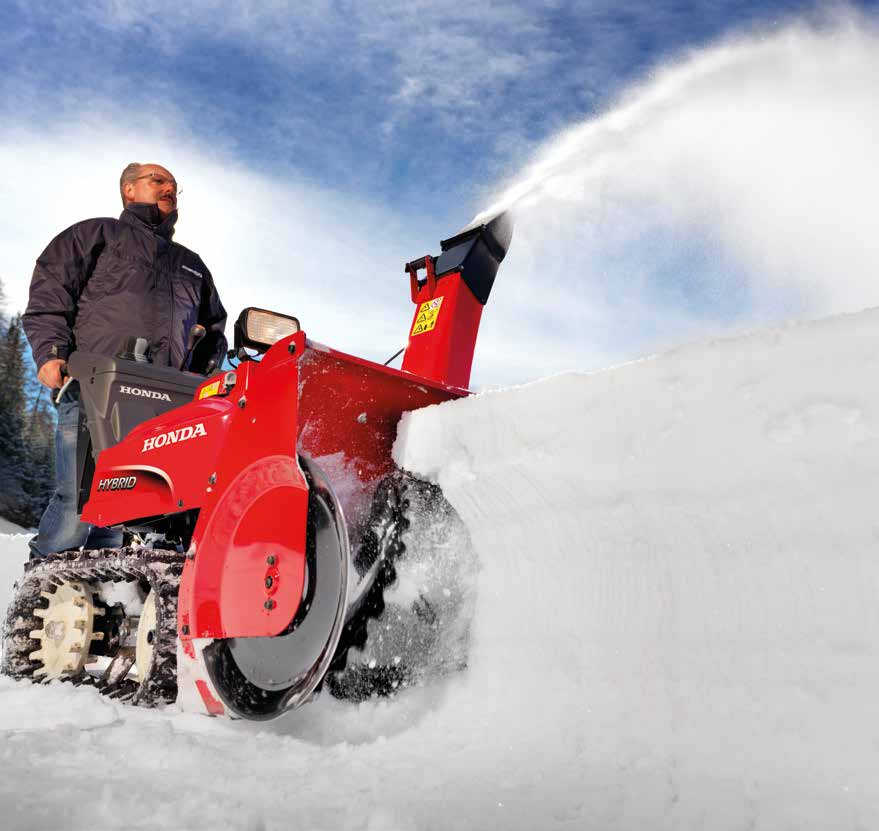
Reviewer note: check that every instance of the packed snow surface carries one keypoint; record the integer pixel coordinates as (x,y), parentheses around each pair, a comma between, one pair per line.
(676,626)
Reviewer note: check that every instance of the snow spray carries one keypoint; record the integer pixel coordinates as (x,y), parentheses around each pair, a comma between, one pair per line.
(732,188)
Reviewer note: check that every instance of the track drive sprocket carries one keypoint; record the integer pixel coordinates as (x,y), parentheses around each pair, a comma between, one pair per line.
(67,630)
(60,622)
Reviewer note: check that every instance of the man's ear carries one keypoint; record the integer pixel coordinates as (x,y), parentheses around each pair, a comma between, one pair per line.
(128,192)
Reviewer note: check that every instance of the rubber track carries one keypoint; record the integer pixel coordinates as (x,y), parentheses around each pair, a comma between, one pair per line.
(159,569)
(383,539)
(400,642)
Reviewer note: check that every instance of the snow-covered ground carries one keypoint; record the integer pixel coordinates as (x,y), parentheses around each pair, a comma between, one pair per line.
(676,626)
(7,527)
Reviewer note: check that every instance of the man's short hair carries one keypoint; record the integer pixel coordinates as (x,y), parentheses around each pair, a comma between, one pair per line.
(129,176)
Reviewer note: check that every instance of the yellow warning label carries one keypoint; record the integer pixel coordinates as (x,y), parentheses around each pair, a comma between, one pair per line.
(209,390)
(428,314)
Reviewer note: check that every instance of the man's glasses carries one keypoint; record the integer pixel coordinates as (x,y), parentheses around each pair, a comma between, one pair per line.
(160,181)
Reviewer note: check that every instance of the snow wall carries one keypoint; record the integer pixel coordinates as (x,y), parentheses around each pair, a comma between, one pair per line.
(676,626)
(678,611)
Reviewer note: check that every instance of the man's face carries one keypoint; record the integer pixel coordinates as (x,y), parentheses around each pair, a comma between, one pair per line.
(154,185)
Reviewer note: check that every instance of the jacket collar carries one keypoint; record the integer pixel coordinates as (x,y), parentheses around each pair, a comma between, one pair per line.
(141,213)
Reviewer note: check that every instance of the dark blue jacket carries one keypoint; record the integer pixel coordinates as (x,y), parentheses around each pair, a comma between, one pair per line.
(104,279)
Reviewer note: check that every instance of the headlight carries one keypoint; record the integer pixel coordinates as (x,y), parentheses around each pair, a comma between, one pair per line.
(259,328)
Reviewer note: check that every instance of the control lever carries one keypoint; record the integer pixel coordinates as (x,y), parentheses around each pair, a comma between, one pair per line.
(135,349)
(196,333)
(69,380)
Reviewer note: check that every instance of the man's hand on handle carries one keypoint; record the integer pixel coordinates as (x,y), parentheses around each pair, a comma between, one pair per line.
(50,373)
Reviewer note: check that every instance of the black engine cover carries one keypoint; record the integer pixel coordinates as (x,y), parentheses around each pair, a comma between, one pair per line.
(116,395)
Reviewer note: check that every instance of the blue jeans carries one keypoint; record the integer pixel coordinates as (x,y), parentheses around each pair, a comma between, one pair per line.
(60,528)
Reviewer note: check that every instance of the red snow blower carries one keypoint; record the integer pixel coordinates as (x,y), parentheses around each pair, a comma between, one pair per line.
(263,516)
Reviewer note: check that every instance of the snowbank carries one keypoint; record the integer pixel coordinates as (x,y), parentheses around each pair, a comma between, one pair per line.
(7,527)
(676,626)
(677,604)
(13,554)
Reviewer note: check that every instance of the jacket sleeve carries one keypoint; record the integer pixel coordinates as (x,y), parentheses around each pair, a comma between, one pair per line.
(212,316)
(61,272)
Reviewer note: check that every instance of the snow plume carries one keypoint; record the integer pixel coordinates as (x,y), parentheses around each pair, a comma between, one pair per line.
(733,188)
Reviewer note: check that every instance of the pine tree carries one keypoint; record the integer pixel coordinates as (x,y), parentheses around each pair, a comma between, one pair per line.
(27,429)
(15,458)
(40,441)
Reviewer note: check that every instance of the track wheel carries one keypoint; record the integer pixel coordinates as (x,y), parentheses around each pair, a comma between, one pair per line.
(146,636)
(67,631)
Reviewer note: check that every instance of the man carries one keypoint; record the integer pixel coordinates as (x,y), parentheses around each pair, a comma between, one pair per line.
(96,283)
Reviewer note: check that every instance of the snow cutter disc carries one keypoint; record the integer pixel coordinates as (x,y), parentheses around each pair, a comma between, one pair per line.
(261,678)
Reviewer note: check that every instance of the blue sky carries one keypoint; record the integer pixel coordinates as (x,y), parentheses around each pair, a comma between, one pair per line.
(390,99)
(376,129)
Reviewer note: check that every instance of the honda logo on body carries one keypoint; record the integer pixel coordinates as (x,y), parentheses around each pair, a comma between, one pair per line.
(142,393)
(120,483)
(174,436)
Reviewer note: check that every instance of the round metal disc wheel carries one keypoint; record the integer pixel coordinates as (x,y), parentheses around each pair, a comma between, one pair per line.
(146,636)
(261,678)
(67,631)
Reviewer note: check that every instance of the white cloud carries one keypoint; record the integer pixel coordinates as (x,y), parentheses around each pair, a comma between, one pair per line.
(409,57)
(333,260)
